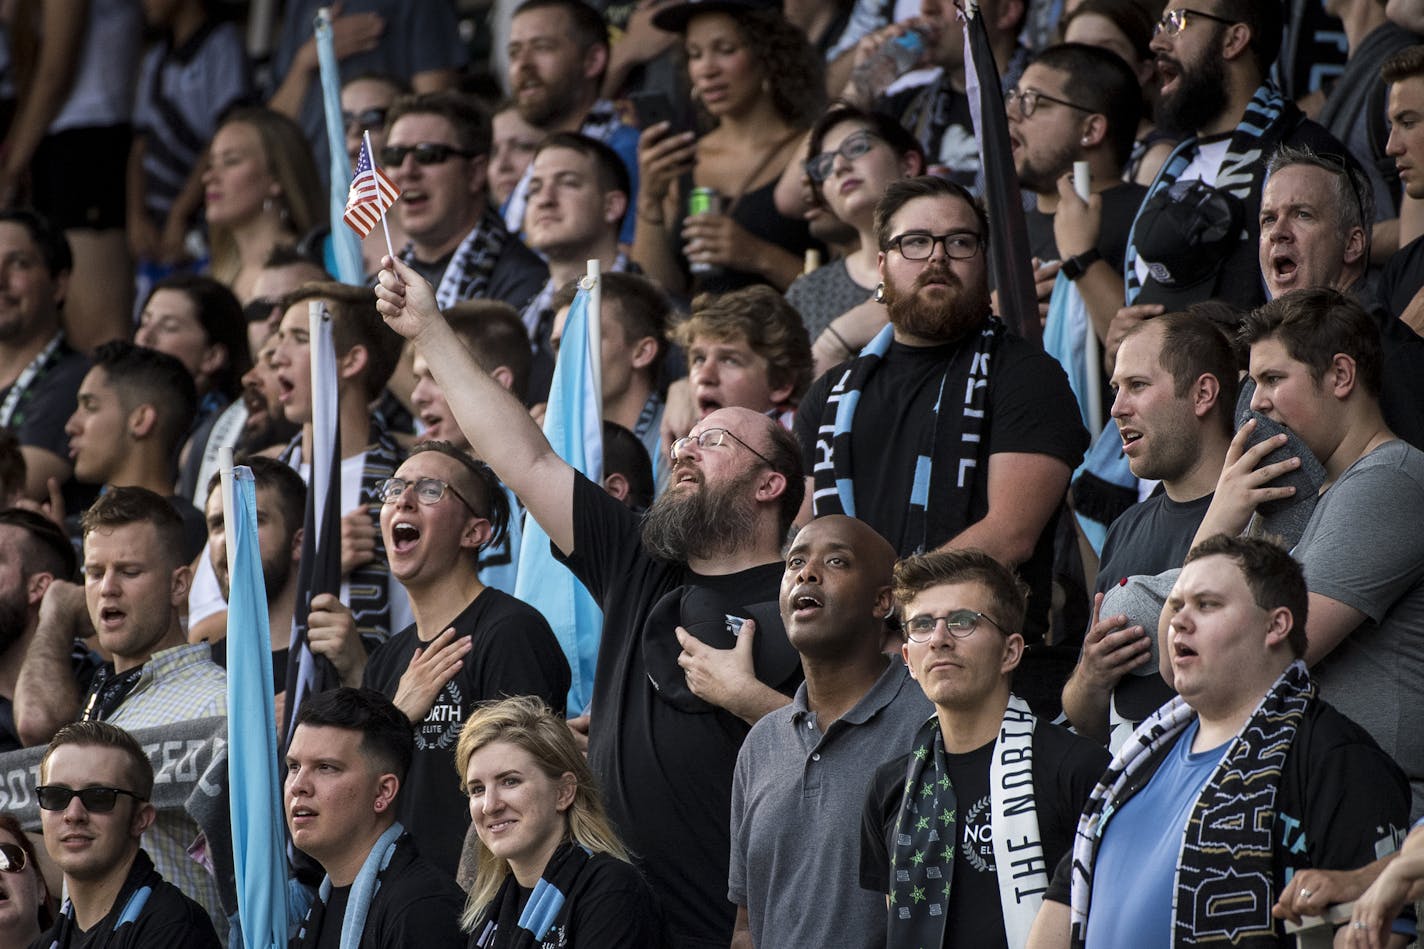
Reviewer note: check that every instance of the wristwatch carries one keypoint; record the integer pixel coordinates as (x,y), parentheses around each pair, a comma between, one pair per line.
(1075,267)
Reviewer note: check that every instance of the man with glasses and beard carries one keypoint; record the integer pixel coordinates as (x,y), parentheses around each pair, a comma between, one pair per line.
(681,672)
(960,434)
(1195,236)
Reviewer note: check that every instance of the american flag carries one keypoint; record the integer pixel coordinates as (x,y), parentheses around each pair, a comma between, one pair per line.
(372,193)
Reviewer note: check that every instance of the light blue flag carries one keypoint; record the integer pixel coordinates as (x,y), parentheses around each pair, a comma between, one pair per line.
(574,427)
(345,248)
(258,843)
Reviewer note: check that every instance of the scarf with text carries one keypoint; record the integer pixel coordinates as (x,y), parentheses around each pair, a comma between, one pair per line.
(1267,118)
(922,865)
(1224,888)
(503,925)
(966,372)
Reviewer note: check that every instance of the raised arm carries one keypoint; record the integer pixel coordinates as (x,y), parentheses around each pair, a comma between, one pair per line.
(46,696)
(496,423)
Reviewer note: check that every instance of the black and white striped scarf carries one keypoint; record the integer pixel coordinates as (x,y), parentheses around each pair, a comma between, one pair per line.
(467,276)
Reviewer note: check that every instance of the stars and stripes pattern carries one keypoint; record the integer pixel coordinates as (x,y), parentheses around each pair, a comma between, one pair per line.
(372,194)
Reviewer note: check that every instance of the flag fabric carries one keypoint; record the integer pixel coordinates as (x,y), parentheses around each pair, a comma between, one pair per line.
(255,798)
(320,570)
(1009,252)
(345,248)
(372,194)
(574,426)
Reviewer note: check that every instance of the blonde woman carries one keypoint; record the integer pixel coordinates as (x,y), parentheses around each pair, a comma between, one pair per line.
(551,869)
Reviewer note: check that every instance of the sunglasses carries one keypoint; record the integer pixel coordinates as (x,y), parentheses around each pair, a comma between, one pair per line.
(12,858)
(366,120)
(260,309)
(56,797)
(426,153)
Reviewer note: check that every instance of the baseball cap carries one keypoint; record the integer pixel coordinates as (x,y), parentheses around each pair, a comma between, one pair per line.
(1183,234)
(675,16)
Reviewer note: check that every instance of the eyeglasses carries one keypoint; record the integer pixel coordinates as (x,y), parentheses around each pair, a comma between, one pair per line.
(427,491)
(713,438)
(56,797)
(1175,21)
(960,624)
(819,168)
(366,120)
(260,309)
(12,858)
(917,245)
(1028,101)
(426,153)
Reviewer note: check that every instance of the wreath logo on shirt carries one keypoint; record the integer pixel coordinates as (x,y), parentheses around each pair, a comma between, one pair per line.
(978,840)
(440,729)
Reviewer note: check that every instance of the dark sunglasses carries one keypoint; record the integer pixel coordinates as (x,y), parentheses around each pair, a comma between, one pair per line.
(260,310)
(12,858)
(426,153)
(56,797)
(366,120)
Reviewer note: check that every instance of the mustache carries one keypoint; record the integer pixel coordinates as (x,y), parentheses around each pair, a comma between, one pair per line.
(939,272)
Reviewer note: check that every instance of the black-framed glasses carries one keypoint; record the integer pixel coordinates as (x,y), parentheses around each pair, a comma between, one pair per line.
(1175,21)
(56,797)
(960,624)
(427,491)
(12,858)
(260,309)
(426,153)
(819,167)
(920,245)
(712,438)
(1028,100)
(367,120)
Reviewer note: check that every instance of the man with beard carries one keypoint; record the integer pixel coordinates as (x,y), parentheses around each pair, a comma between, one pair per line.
(281,506)
(706,558)
(949,431)
(1077,103)
(1195,237)
(558,52)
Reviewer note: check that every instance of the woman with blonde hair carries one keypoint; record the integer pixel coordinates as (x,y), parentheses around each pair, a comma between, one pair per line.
(551,870)
(261,191)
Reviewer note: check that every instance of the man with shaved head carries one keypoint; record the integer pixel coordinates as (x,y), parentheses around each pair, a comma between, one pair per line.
(799,786)
(668,715)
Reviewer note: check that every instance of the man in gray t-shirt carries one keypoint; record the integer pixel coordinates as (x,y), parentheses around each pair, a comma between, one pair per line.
(1316,360)
(801,776)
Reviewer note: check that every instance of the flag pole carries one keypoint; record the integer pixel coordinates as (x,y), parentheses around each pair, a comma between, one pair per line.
(384,226)
(593,283)
(1092,358)
(228,502)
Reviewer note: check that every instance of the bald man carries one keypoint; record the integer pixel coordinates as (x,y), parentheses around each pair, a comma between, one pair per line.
(799,787)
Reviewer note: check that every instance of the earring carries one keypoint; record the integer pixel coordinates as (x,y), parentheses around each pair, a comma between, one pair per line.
(879,295)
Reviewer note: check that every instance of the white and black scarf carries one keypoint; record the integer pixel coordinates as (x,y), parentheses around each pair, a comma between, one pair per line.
(467,276)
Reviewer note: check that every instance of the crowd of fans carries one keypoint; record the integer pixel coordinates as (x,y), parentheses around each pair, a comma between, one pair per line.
(924,623)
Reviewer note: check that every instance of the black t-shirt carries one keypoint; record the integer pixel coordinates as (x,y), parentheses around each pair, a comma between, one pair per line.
(1402,277)
(416,907)
(1120,204)
(666,774)
(518,275)
(1031,409)
(609,905)
(1339,796)
(1065,769)
(514,653)
(279,664)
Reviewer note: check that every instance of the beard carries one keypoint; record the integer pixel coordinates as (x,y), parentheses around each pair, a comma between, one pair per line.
(944,322)
(1041,177)
(13,617)
(276,572)
(1199,98)
(710,520)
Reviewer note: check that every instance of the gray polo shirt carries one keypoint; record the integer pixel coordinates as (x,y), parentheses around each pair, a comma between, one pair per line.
(797,798)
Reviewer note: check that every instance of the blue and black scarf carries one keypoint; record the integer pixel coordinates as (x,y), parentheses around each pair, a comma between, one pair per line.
(505,925)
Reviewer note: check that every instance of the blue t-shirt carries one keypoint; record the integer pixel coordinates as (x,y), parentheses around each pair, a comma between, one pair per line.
(1136,866)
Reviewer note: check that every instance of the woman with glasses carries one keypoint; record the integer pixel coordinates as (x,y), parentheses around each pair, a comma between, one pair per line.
(551,870)
(758,81)
(261,191)
(852,157)
(25,909)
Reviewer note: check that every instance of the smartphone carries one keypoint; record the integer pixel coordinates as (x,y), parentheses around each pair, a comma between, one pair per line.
(653,107)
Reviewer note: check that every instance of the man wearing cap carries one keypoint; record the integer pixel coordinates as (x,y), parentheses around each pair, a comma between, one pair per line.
(1227,791)
(799,787)
(1195,236)
(960,434)
(1175,385)
(963,830)
(668,714)
(1315,360)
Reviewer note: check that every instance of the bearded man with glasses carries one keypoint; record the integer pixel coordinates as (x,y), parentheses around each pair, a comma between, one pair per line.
(93,793)
(963,831)
(948,430)
(469,643)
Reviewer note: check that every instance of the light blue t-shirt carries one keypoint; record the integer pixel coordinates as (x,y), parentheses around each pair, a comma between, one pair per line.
(1136,866)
